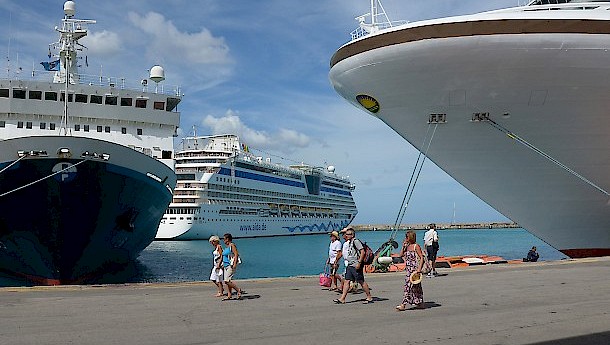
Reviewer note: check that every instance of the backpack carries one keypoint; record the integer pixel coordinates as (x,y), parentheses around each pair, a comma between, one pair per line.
(369,256)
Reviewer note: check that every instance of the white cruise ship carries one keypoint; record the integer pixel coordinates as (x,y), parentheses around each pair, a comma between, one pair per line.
(223,188)
(85,165)
(518,103)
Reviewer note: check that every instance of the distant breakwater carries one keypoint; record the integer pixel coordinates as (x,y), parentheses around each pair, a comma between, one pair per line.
(439,226)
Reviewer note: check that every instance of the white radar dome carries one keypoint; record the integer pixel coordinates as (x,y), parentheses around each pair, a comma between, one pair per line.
(331,169)
(69,8)
(157,74)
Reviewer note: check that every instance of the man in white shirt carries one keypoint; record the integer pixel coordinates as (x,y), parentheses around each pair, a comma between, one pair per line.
(334,255)
(431,244)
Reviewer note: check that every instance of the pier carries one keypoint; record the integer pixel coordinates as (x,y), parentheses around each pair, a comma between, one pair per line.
(439,226)
(555,302)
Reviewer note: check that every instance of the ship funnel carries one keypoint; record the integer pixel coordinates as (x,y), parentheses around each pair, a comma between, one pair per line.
(69,8)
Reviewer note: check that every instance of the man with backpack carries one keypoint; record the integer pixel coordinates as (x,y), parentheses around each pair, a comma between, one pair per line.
(354,253)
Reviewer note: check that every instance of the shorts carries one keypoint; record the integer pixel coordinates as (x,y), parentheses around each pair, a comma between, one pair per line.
(431,252)
(216,275)
(334,268)
(352,274)
(228,273)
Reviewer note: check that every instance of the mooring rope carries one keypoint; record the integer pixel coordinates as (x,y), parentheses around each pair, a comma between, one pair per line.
(419,164)
(44,178)
(545,155)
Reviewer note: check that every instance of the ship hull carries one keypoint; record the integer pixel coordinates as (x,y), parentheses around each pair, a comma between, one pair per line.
(549,89)
(94,217)
(245,226)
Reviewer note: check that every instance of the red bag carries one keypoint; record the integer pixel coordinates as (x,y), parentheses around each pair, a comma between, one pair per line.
(325,278)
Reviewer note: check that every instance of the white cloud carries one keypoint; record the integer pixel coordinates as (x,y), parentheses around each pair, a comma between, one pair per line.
(103,43)
(284,140)
(197,48)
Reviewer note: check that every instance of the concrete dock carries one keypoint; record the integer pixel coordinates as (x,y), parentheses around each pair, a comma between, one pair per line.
(561,302)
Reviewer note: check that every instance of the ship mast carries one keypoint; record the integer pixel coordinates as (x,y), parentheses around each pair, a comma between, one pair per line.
(70,32)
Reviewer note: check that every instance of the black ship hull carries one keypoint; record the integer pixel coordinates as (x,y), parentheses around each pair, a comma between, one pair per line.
(94,207)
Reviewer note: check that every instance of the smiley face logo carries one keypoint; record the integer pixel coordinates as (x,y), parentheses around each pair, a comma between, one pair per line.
(368,102)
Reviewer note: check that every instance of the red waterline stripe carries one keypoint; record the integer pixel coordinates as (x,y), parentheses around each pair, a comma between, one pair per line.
(586,252)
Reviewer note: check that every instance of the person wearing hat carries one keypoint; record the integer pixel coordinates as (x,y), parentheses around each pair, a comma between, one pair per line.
(414,261)
(334,254)
(431,245)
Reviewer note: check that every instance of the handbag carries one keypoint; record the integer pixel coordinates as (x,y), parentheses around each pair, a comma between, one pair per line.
(325,277)
(426,267)
(233,259)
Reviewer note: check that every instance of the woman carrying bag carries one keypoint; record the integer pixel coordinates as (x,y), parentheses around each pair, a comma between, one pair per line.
(414,260)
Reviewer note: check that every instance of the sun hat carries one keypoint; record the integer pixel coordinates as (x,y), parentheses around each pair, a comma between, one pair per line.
(334,233)
(415,278)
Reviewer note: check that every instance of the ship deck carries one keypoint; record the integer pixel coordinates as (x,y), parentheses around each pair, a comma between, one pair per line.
(559,302)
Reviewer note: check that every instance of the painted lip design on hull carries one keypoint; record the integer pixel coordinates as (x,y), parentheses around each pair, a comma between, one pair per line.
(494,83)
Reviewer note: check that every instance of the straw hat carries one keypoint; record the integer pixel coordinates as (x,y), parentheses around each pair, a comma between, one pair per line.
(415,278)
(334,233)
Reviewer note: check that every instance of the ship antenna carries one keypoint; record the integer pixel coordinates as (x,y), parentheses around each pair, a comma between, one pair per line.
(67,72)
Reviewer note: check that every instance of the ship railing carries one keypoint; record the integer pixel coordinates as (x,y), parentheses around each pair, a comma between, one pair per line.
(364,30)
(121,83)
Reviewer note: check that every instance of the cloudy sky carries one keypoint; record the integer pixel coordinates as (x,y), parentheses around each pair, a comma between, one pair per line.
(260,69)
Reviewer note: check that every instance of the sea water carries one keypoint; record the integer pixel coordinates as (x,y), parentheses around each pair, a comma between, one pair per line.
(284,256)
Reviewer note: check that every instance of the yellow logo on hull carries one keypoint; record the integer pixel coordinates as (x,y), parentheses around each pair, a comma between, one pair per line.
(368,102)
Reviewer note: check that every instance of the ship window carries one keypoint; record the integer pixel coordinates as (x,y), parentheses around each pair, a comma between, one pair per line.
(123,130)
(140,103)
(43,125)
(86,127)
(50,96)
(139,131)
(18,93)
(63,97)
(52,126)
(107,129)
(80,98)
(35,94)
(20,124)
(77,128)
(99,129)
(4,93)
(159,105)
(111,100)
(126,102)
(166,154)
(2,123)
(28,125)
(96,99)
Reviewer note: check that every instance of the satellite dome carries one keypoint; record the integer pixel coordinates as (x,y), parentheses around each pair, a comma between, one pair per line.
(331,169)
(157,74)
(69,8)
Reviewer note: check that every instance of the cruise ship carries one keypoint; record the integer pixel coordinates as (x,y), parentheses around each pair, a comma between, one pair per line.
(512,103)
(85,165)
(223,188)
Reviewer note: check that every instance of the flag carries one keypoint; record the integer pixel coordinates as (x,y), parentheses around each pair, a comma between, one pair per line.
(51,65)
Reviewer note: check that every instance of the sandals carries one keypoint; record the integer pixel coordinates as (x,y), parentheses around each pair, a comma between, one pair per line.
(239,294)
(400,308)
(227,298)
(337,301)
(368,301)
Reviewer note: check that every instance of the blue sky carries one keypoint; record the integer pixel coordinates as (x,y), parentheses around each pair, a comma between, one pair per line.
(260,69)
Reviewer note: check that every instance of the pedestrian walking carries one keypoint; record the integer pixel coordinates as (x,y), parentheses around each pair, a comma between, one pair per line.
(353,253)
(230,259)
(217,270)
(334,256)
(414,260)
(431,245)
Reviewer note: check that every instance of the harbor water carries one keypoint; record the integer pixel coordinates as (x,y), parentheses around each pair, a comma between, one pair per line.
(184,261)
